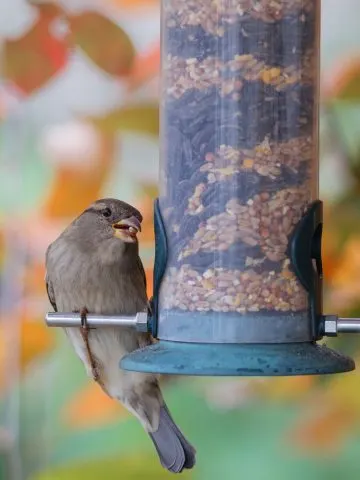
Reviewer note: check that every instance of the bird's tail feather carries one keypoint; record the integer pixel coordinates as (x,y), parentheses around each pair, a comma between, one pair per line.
(174,451)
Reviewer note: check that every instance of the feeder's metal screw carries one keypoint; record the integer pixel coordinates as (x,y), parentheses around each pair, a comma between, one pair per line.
(142,322)
(330,325)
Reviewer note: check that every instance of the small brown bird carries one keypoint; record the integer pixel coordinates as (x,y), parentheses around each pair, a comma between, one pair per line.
(94,267)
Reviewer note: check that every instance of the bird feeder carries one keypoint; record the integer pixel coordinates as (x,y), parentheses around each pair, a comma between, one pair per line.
(238,222)
(241,292)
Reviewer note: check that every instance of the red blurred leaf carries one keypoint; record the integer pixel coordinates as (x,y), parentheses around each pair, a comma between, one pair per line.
(33,59)
(108,46)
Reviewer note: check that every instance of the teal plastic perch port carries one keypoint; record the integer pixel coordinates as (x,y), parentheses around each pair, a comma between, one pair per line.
(238,223)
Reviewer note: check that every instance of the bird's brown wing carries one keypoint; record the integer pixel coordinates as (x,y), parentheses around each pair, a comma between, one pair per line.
(50,292)
(141,268)
(49,286)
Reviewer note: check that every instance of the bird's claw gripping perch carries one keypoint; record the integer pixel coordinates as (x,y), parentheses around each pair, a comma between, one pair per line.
(84,329)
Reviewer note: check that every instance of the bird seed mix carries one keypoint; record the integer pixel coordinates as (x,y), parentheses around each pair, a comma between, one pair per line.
(239,116)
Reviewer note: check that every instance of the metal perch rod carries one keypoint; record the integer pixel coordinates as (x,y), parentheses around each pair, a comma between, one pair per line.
(138,321)
(348,325)
(332,324)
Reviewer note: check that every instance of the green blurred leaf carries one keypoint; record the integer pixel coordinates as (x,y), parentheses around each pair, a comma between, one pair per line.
(22,164)
(136,118)
(350,90)
(346,120)
(105,42)
(149,189)
(343,219)
(129,468)
(229,444)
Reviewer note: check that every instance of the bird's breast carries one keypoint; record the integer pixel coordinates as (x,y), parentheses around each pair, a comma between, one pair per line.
(104,289)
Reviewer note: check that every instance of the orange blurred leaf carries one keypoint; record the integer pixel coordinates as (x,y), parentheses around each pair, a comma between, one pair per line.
(344,82)
(71,194)
(145,205)
(345,390)
(345,280)
(34,279)
(91,407)
(330,416)
(2,249)
(286,388)
(325,431)
(146,66)
(132,4)
(33,59)
(72,190)
(107,44)
(349,263)
(36,339)
(330,256)
(149,272)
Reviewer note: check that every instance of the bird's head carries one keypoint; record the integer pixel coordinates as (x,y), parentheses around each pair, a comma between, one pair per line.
(110,218)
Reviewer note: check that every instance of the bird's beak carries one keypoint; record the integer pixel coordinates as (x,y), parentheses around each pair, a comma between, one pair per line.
(127,229)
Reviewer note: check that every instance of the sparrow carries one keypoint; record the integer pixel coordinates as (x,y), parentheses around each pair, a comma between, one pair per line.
(94,267)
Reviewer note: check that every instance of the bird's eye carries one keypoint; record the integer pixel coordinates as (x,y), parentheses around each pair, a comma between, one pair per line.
(106,212)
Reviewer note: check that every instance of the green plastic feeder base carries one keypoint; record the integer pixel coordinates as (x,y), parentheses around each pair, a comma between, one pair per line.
(287,359)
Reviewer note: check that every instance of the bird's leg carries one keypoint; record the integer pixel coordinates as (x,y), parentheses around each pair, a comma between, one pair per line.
(84,330)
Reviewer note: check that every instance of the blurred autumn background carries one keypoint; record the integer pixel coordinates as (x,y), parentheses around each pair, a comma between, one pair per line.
(79,120)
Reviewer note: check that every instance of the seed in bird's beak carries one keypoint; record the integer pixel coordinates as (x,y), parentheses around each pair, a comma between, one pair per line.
(128,227)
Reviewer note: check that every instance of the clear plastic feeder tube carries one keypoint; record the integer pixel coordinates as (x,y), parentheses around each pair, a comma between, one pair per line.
(239,168)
